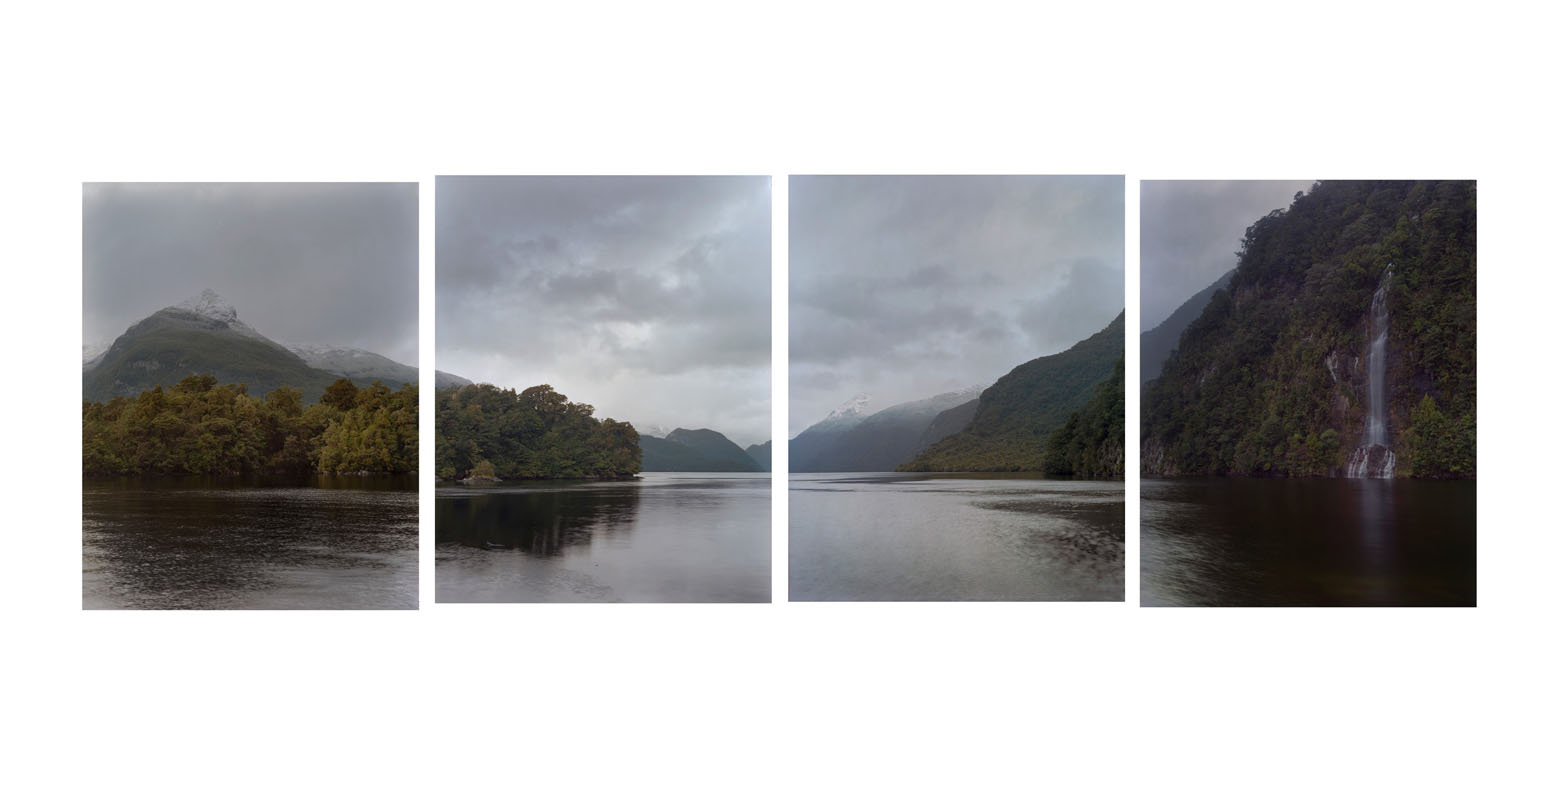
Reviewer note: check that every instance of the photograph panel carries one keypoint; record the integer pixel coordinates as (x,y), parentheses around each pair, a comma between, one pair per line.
(1308,379)
(255,459)
(957,414)
(603,414)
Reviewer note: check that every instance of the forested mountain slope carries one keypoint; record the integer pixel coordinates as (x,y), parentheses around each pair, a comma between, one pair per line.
(1271,378)
(1017,414)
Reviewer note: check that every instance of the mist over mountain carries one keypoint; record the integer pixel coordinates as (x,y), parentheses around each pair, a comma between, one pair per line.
(848,440)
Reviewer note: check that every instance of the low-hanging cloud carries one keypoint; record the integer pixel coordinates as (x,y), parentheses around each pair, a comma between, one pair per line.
(304,263)
(1190,232)
(647,297)
(903,287)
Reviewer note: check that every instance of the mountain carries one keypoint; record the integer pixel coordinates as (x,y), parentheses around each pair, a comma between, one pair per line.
(1355,305)
(446,380)
(1092,442)
(204,335)
(1158,343)
(1014,418)
(359,366)
(808,445)
(846,441)
(701,450)
(760,453)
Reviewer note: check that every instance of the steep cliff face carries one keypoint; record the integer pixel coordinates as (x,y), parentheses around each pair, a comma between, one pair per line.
(1274,377)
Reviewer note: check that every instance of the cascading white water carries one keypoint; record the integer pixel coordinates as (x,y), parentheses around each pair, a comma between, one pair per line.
(1374,457)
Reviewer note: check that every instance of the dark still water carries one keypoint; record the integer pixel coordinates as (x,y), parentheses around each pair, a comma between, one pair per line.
(1307,542)
(667,537)
(320,543)
(917,536)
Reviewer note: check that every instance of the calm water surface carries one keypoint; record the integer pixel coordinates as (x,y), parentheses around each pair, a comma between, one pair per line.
(666,537)
(320,543)
(918,536)
(1308,542)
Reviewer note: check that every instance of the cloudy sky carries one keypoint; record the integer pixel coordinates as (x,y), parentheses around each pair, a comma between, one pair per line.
(906,287)
(1191,230)
(646,297)
(304,263)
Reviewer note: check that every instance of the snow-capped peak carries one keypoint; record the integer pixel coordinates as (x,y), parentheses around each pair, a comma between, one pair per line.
(854,407)
(658,431)
(210,305)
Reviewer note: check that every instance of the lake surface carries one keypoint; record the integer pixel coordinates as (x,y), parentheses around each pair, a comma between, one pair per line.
(1308,542)
(319,543)
(666,537)
(931,536)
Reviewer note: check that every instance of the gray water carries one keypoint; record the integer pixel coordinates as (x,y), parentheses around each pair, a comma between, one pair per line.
(664,537)
(231,543)
(1308,542)
(1374,457)
(942,536)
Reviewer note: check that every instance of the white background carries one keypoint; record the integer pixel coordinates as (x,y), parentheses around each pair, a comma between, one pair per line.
(833,700)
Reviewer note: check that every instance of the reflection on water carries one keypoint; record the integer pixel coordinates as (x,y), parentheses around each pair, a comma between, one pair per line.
(325,542)
(1232,541)
(908,536)
(666,537)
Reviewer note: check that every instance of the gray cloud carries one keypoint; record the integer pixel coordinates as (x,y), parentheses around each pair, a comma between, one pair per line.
(903,287)
(1190,231)
(647,297)
(312,263)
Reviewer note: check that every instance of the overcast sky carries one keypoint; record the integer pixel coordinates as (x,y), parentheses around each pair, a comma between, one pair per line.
(646,297)
(906,287)
(1190,232)
(303,263)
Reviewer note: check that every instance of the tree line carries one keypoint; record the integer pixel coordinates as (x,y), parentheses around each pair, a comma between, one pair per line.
(482,431)
(200,427)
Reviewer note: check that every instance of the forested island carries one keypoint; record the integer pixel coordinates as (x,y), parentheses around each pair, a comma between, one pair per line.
(1359,290)
(483,432)
(200,427)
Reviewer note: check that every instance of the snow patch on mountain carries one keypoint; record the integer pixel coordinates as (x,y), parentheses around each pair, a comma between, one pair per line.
(210,305)
(353,363)
(855,407)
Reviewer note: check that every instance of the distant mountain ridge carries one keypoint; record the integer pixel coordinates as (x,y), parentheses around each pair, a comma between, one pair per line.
(204,335)
(847,441)
(1157,344)
(701,450)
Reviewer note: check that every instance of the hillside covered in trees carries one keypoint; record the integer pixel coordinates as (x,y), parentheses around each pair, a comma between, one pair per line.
(483,431)
(200,427)
(1016,416)
(1271,378)
(1092,443)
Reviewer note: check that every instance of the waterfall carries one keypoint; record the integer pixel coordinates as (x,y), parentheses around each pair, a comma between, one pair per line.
(1374,457)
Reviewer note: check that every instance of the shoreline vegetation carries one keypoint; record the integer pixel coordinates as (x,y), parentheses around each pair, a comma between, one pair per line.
(484,434)
(200,427)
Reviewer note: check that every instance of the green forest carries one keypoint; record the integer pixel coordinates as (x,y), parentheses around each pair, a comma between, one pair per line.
(484,432)
(1092,443)
(200,427)
(1269,380)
